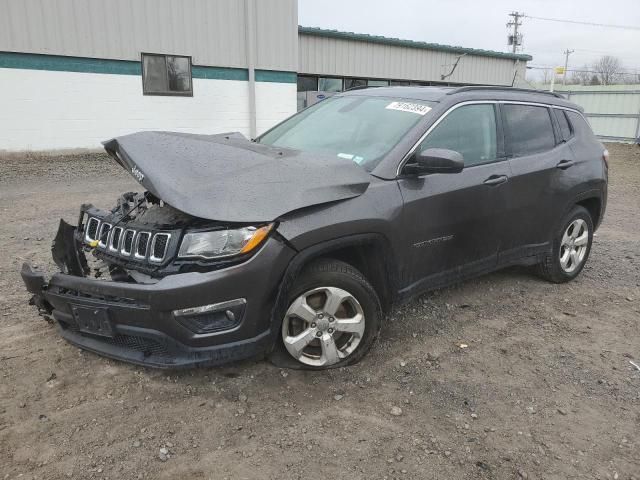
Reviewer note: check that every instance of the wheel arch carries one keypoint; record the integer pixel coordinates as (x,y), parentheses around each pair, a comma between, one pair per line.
(356,250)
(593,205)
(590,200)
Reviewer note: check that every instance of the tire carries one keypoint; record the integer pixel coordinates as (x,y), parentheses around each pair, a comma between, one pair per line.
(333,317)
(575,224)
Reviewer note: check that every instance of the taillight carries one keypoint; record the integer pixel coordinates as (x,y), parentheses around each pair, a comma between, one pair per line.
(605,157)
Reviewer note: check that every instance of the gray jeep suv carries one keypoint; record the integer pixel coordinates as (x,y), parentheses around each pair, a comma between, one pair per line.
(296,244)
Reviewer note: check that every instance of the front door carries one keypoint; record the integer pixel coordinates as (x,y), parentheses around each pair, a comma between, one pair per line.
(453,222)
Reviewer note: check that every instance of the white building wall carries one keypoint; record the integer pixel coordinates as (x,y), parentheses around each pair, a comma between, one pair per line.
(274,103)
(48,110)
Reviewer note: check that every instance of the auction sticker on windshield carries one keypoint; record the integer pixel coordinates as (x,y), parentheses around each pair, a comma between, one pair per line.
(409,107)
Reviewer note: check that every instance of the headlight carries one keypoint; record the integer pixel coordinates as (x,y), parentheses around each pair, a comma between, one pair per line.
(222,243)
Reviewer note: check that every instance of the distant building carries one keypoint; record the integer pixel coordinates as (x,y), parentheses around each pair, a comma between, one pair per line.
(76,73)
(332,61)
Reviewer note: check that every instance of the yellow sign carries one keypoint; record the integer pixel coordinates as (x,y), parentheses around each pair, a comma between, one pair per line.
(559,70)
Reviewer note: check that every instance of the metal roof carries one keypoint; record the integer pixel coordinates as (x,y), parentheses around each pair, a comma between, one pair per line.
(320,32)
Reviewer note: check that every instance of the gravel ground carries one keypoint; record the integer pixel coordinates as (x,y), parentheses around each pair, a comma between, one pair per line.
(545,388)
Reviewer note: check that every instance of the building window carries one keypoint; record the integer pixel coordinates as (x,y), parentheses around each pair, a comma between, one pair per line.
(166,75)
(354,82)
(399,83)
(307,83)
(329,84)
(378,83)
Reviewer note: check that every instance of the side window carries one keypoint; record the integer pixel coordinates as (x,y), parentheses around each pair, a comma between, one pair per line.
(565,126)
(469,130)
(530,129)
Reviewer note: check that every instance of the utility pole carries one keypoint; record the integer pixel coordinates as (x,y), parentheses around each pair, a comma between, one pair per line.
(567,52)
(515,39)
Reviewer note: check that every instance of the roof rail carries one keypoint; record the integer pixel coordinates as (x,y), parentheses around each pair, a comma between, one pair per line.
(471,88)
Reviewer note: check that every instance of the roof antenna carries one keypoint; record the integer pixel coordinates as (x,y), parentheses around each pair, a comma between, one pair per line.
(453,69)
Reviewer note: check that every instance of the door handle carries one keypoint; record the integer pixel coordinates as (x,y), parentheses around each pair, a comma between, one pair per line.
(564,164)
(496,180)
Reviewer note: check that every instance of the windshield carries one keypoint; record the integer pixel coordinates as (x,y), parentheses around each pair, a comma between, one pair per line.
(358,128)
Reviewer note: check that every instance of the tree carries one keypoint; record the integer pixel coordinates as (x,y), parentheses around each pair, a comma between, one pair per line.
(608,69)
(545,76)
(582,76)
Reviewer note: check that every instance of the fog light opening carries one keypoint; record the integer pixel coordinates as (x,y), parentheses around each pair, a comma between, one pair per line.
(214,317)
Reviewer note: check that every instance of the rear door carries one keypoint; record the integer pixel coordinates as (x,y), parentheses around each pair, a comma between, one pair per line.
(452,222)
(539,156)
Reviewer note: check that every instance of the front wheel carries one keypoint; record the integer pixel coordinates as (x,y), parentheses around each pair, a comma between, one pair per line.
(333,318)
(571,247)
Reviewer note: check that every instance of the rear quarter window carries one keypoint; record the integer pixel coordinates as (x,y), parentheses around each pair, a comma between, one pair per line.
(529,129)
(578,122)
(565,127)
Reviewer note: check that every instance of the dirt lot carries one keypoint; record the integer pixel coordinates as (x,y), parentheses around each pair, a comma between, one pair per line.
(545,388)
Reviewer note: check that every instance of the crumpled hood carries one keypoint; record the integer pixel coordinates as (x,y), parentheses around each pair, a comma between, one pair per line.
(228,178)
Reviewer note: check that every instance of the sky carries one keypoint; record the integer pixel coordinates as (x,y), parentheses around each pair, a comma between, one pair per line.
(482,24)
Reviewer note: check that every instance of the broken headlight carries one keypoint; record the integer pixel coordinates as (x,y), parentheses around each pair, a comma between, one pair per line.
(222,243)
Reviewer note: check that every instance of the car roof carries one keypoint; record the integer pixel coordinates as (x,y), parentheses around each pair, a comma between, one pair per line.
(433,94)
(465,93)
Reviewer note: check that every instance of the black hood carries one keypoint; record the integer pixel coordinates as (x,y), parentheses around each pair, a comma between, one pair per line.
(228,178)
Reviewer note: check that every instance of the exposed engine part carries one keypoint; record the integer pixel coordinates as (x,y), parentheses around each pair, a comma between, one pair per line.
(131,204)
(163,214)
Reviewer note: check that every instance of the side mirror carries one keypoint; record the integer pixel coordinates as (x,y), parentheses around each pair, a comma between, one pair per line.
(435,160)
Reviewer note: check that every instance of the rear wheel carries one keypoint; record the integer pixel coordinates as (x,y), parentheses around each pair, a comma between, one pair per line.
(571,247)
(333,317)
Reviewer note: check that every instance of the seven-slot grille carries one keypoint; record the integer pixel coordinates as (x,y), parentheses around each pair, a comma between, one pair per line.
(105,228)
(142,242)
(92,229)
(116,236)
(159,246)
(127,242)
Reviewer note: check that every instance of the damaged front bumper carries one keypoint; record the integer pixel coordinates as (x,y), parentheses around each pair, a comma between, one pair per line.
(183,320)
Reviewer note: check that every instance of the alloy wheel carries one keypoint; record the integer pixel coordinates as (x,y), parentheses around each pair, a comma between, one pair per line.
(574,244)
(323,326)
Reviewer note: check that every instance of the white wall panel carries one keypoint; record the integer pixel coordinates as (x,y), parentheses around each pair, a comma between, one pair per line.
(612,110)
(274,103)
(614,127)
(46,110)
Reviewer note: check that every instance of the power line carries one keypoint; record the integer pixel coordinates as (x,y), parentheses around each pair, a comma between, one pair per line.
(585,57)
(630,70)
(540,67)
(592,24)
